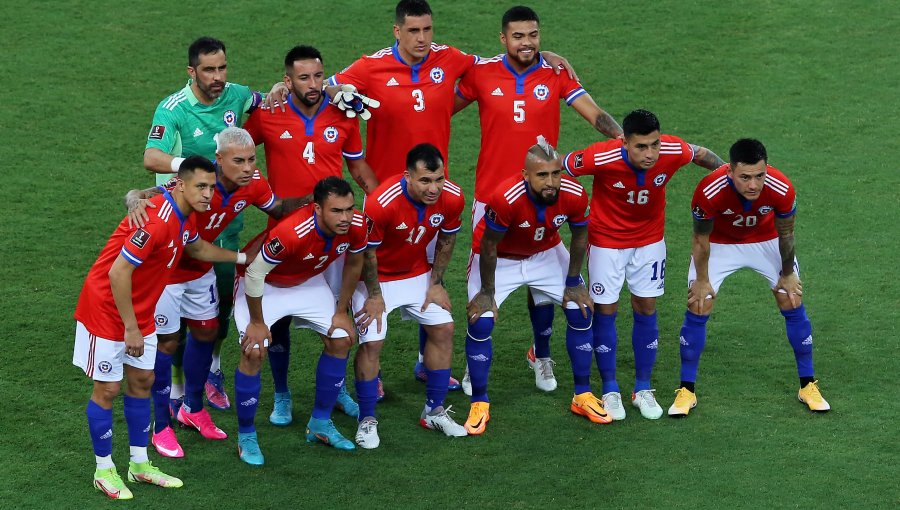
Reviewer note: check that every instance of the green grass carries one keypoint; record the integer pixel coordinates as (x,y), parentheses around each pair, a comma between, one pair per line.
(815,81)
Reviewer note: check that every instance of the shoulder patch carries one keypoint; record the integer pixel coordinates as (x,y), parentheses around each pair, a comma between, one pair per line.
(275,246)
(140,238)
(157,132)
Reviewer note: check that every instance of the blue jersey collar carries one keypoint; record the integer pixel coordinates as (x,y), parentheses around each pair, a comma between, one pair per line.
(639,173)
(520,78)
(328,239)
(309,122)
(539,208)
(414,68)
(420,207)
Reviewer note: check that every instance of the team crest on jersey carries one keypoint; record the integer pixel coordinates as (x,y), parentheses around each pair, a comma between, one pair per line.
(240,205)
(341,248)
(161,320)
(597,289)
(579,161)
(185,236)
(766,209)
(331,134)
(559,219)
(660,179)
(437,75)
(140,238)
(541,92)
(275,247)
(230,118)
(436,219)
(104,367)
(157,132)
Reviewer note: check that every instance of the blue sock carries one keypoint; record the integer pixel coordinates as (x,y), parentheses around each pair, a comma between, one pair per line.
(605,342)
(246,393)
(330,373)
(423,337)
(162,386)
(280,353)
(100,423)
(578,342)
(479,353)
(799,333)
(436,387)
(542,327)
(367,397)
(137,417)
(645,342)
(693,340)
(197,359)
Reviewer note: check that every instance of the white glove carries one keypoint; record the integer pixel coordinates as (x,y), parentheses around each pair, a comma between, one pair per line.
(352,103)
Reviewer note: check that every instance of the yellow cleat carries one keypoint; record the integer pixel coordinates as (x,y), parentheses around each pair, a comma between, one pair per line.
(811,396)
(685,400)
(589,406)
(479,415)
(110,483)
(146,472)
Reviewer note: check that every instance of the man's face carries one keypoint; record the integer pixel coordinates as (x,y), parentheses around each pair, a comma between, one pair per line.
(237,163)
(424,185)
(335,214)
(748,179)
(543,178)
(198,189)
(304,81)
(414,37)
(210,74)
(522,40)
(643,150)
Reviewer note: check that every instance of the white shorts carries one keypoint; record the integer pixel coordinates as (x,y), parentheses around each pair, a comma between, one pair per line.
(644,269)
(197,299)
(725,259)
(408,295)
(334,275)
(311,303)
(544,273)
(102,359)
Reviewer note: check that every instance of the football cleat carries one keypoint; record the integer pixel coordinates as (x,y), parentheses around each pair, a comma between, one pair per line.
(380,390)
(323,431)
(202,421)
(467,383)
(646,402)
(421,376)
(685,400)
(146,472)
(248,449)
(479,415)
(166,443)
(811,396)
(367,433)
(110,483)
(439,419)
(587,405)
(174,406)
(346,404)
(529,356)
(215,391)
(612,402)
(281,411)
(543,374)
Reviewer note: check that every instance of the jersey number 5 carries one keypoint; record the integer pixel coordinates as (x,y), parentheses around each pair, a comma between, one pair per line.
(519,111)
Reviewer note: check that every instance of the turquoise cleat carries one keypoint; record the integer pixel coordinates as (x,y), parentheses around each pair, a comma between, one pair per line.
(248,449)
(346,404)
(281,413)
(323,431)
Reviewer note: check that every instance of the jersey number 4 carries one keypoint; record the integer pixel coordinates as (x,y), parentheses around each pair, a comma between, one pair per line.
(309,153)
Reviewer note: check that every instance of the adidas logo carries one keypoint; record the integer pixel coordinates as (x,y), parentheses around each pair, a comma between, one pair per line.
(286,135)
(147,429)
(682,341)
(584,347)
(807,340)
(479,357)
(339,384)
(525,224)
(728,211)
(197,132)
(497,92)
(308,256)
(107,434)
(392,82)
(402,226)
(618,185)
(547,332)
(249,402)
(164,391)
(603,349)
(653,345)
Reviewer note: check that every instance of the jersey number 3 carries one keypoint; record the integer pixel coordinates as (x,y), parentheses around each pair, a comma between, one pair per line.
(420,100)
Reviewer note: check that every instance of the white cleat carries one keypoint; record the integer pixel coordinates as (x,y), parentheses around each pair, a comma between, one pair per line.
(367,433)
(543,374)
(466,383)
(438,419)
(612,402)
(646,402)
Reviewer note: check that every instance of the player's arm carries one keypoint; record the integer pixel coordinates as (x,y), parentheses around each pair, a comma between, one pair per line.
(120,284)
(208,252)
(487,266)
(257,335)
(373,307)
(363,174)
(443,252)
(158,161)
(460,103)
(575,289)
(596,116)
(558,62)
(285,206)
(136,202)
(789,281)
(706,158)
(701,291)
(353,266)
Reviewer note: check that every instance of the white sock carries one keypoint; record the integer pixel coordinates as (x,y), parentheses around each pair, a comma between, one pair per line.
(216,363)
(105,462)
(177,391)
(421,358)
(139,454)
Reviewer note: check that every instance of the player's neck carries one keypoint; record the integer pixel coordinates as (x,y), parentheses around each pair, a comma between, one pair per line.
(322,229)
(517,66)
(408,58)
(307,111)
(181,202)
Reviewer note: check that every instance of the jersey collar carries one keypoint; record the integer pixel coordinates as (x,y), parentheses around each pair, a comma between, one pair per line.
(309,122)
(639,173)
(520,78)
(220,188)
(539,208)
(414,69)
(328,239)
(181,218)
(420,207)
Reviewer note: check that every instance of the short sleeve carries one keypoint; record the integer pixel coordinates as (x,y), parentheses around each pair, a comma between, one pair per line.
(574,163)
(786,204)
(453,217)
(496,216)
(263,196)
(467,88)
(352,148)
(569,89)
(163,130)
(701,207)
(374,227)
(355,74)
(359,238)
(253,126)
(141,243)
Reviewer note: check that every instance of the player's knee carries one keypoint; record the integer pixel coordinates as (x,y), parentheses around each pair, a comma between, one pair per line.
(481,329)
(250,362)
(167,343)
(204,330)
(441,334)
(105,393)
(140,381)
(369,352)
(575,317)
(643,305)
(338,347)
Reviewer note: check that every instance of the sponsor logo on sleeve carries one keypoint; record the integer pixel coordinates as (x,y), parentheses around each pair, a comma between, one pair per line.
(490,213)
(699,213)
(275,247)
(369,225)
(140,238)
(157,132)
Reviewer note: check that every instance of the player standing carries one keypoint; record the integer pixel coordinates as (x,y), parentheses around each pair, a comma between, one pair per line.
(626,237)
(744,216)
(517,243)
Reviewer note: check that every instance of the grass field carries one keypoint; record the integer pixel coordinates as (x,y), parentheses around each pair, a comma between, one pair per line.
(816,81)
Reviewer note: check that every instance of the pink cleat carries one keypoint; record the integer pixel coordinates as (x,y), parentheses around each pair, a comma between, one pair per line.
(215,391)
(202,421)
(167,444)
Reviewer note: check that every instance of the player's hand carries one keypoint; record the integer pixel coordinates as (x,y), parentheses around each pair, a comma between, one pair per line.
(438,295)
(372,310)
(276,98)
(340,320)
(257,336)
(580,296)
(558,63)
(137,213)
(701,294)
(792,286)
(479,305)
(134,343)
(352,103)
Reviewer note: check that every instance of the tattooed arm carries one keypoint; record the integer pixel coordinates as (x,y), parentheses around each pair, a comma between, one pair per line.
(596,116)
(373,307)
(285,206)
(575,289)
(700,293)
(487,266)
(789,281)
(706,158)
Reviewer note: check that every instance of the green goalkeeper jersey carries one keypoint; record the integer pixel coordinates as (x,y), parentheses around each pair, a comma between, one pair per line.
(183,126)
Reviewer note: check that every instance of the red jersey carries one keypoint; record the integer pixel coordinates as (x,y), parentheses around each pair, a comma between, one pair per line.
(300,150)
(628,205)
(223,208)
(154,249)
(401,228)
(530,228)
(738,220)
(302,251)
(416,102)
(514,109)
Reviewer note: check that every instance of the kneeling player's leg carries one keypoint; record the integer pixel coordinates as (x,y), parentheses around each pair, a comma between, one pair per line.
(197,359)
(330,373)
(280,353)
(247,386)
(692,341)
(644,340)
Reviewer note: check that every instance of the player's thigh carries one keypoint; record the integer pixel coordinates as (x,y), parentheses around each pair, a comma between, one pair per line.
(645,271)
(409,294)
(721,265)
(201,298)
(168,309)
(606,273)
(546,275)
(312,306)
(507,278)
(334,275)
(765,259)
(103,359)
(372,332)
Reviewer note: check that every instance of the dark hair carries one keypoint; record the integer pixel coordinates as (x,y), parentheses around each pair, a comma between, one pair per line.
(331,186)
(518,13)
(640,122)
(427,154)
(301,53)
(411,8)
(748,151)
(203,46)
(194,163)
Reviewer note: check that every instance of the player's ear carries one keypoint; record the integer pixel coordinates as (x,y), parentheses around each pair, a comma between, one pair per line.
(192,73)
(396,32)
